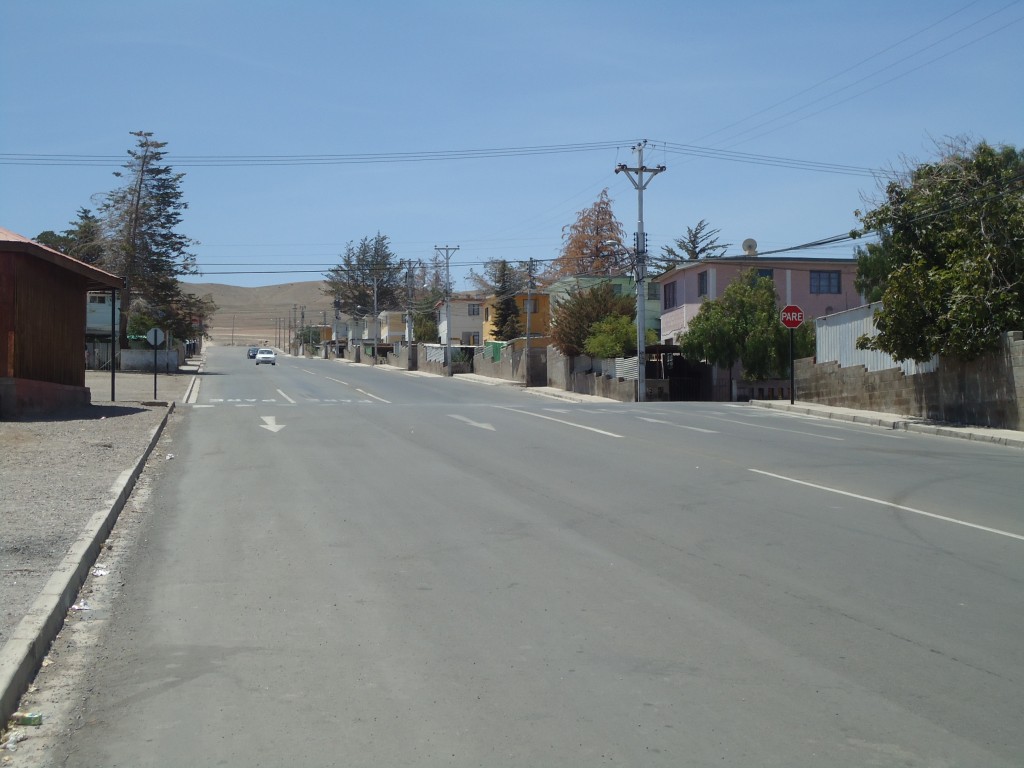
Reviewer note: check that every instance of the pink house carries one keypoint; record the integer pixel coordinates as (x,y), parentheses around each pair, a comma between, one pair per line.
(818,286)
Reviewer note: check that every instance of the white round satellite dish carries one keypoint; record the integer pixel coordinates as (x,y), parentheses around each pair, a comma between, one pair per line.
(749,246)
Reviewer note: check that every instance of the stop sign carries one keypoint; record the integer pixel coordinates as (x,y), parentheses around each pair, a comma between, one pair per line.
(792,316)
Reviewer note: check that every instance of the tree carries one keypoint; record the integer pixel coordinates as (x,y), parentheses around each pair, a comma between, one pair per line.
(698,243)
(142,245)
(367,277)
(874,265)
(743,326)
(84,240)
(953,238)
(574,316)
(592,245)
(615,336)
(487,282)
(506,311)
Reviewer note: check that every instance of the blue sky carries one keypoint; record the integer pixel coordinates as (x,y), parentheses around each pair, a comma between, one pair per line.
(862,85)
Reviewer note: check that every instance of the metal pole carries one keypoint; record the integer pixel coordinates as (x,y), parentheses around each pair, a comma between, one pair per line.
(641,261)
(376,323)
(792,372)
(448,251)
(113,338)
(529,287)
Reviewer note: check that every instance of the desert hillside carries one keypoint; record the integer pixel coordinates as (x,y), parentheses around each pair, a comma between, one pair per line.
(247,316)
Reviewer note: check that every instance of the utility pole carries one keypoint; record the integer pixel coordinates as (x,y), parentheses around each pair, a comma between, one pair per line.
(529,288)
(408,303)
(640,184)
(448,251)
(376,323)
(302,332)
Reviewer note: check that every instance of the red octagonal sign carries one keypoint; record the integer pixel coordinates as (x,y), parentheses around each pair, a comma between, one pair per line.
(792,316)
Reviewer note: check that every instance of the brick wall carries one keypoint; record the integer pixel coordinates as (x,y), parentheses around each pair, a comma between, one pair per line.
(985,392)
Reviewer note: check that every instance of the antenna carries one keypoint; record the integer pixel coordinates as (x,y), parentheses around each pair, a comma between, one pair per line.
(750,246)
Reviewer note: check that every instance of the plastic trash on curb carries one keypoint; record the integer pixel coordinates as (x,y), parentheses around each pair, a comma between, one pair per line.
(27,718)
(81,605)
(98,571)
(11,745)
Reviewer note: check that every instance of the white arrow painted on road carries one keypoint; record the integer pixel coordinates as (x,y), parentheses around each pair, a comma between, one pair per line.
(270,423)
(471,423)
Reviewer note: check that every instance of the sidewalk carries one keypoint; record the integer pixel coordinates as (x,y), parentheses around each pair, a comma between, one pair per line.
(137,387)
(1008,437)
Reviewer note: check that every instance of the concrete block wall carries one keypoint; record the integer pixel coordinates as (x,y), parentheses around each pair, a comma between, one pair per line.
(985,392)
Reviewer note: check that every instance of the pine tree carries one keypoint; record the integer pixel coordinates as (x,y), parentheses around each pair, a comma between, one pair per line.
(369,275)
(142,245)
(506,311)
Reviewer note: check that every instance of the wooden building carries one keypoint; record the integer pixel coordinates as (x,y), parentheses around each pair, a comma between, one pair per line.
(42,325)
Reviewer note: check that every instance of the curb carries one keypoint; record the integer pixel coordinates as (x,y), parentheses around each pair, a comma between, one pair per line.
(23,653)
(903,423)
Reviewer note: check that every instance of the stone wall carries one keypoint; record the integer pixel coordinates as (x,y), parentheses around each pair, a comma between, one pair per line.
(985,392)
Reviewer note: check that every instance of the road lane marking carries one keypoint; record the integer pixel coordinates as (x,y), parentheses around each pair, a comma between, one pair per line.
(282,394)
(560,421)
(368,394)
(780,429)
(890,504)
(270,424)
(306,370)
(338,381)
(478,424)
(680,426)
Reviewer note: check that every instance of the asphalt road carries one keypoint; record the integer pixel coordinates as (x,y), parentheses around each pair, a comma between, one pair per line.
(363,567)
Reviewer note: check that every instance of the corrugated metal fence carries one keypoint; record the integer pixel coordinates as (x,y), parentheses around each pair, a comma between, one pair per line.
(837,342)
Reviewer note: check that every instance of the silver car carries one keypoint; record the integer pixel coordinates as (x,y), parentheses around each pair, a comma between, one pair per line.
(266,356)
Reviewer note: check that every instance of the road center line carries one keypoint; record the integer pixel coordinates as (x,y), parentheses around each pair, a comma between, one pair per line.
(779,429)
(891,505)
(338,381)
(364,392)
(560,421)
(282,394)
(680,426)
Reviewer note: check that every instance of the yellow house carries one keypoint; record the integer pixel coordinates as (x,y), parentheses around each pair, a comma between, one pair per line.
(539,313)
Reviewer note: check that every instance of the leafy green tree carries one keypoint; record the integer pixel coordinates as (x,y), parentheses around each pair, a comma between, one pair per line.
(506,311)
(615,336)
(574,316)
(369,275)
(591,245)
(142,244)
(874,265)
(953,231)
(743,326)
(700,242)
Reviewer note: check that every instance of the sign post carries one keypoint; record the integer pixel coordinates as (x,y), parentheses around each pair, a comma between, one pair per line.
(156,337)
(792,317)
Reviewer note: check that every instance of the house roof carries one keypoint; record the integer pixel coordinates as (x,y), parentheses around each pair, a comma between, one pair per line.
(96,279)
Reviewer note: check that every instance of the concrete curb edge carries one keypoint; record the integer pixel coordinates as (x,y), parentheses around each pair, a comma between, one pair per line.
(23,654)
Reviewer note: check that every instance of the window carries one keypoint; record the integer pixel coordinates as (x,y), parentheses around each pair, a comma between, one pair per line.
(487,315)
(826,282)
(97,299)
(474,309)
(530,306)
(769,273)
(670,296)
(616,289)
(653,294)
(702,283)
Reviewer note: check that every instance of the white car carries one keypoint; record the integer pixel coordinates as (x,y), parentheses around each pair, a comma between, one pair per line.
(266,356)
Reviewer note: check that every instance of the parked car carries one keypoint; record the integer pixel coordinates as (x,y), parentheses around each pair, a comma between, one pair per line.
(266,356)
(252,352)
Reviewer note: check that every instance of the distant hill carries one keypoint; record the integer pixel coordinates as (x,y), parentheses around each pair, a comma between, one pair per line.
(248,316)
